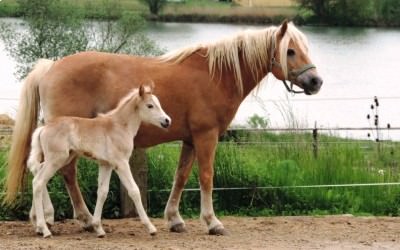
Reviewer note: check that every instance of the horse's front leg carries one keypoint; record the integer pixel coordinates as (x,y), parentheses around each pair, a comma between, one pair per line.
(205,144)
(175,221)
(81,211)
(102,191)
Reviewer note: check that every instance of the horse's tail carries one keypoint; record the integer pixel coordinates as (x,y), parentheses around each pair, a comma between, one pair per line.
(36,155)
(25,123)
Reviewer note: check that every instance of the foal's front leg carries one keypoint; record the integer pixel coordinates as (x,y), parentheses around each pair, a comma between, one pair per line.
(102,191)
(125,176)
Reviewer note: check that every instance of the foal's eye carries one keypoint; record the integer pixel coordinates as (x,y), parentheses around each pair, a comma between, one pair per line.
(291,52)
(150,106)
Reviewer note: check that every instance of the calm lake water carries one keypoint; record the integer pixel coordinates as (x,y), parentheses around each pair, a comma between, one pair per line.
(355,63)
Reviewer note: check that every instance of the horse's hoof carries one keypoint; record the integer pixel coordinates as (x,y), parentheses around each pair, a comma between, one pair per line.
(218,231)
(101,235)
(178,228)
(153,233)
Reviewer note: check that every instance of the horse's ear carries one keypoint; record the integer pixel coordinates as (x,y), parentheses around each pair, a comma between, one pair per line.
(283,28)
(141,90)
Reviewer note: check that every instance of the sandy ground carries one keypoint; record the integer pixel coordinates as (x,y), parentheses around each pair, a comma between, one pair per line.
(329,232)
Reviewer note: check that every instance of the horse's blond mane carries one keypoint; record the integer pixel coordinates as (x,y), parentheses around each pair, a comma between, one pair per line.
(255,46)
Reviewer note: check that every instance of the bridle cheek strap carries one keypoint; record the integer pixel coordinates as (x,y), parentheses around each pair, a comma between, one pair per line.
(293,74)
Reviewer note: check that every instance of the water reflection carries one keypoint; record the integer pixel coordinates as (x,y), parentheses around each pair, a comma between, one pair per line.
(354,62)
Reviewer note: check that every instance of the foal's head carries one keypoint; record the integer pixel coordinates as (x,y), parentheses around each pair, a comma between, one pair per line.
(290,60)
(150,110)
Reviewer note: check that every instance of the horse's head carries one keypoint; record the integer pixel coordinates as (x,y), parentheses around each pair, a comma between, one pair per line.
(290,60)
(150,108)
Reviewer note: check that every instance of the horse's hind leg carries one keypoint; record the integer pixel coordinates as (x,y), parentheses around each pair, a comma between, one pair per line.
(171,213)
(81,212)
(125,176)
(102,191)
(205,145)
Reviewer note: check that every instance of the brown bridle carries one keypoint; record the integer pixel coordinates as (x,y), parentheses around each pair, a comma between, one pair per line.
(292,74)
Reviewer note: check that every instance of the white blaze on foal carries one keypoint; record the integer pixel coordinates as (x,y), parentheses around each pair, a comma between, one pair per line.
(107,138)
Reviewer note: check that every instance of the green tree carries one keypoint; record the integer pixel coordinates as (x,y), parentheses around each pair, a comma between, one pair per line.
(155,6)
(341,12)
(54,28)
(256,121)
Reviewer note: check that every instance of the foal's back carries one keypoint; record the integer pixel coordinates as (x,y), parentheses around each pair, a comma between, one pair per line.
(91,137)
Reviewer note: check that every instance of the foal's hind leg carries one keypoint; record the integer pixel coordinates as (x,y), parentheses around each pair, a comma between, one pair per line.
(38,185)
(171,213)
(102,191)
(125,176)
(81,212)
(48,210)
(48,207)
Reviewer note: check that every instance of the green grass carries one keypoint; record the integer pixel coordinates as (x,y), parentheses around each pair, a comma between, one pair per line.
(266,164)
(276,165)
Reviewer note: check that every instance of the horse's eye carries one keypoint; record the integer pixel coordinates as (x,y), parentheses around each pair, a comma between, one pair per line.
(150,106)
(291,52)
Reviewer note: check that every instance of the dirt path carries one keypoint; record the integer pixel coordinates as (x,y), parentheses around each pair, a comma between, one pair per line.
(330,232)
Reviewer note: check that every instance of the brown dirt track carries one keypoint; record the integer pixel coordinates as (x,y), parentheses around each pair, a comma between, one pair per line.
(328,232)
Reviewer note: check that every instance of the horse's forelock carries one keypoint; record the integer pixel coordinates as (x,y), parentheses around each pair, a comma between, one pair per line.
(292,33)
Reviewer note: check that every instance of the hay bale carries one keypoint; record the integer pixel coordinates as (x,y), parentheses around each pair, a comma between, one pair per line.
(6,120)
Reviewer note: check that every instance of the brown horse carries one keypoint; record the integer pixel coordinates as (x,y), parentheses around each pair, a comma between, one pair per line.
(200,87)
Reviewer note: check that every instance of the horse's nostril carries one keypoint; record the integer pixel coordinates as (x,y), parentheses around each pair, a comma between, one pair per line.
(166,120)
(316,81)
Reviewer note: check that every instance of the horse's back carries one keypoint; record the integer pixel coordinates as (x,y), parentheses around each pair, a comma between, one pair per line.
(85,84)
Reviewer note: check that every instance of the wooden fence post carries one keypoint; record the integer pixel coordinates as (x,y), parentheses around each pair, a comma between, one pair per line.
(139,169)
(315,140)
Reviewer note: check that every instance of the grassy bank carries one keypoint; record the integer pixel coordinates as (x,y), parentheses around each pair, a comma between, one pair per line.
(273,161)
(189,11)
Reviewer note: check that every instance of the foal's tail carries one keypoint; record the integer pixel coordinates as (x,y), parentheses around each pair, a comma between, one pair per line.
(25,123)
(36,155)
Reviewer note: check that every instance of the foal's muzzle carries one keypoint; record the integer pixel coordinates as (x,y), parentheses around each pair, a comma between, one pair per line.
(166,123)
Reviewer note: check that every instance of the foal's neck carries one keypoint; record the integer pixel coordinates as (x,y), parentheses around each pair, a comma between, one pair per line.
(127,115)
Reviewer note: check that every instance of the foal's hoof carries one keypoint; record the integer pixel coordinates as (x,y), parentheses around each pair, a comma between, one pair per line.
(88,228)
(47,234)
(178,228)
(218,231)
(101,235)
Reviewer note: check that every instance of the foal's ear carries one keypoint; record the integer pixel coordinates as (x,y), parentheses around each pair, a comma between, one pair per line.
(151,85)
(141,90)
(283,28)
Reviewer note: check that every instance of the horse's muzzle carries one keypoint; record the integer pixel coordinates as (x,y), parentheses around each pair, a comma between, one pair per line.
(312,85)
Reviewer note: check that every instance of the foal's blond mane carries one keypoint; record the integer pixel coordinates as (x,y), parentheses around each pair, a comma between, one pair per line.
(255,46)
(133,94)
